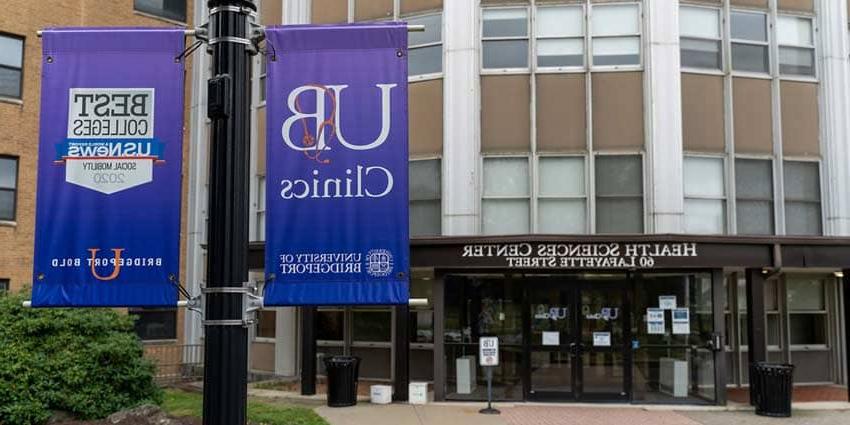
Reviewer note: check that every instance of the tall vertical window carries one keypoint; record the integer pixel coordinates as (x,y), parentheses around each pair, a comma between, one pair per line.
(562,195)
(754,196)
(615,34)
(796,46)
(168,9)
(560,36)
(8,187)
(11,65)
(425,49)
(749,42)
(263,71)
(504,37)
(505,204)
(261,207)
(802,198)
(266,323)
(4,286)
(425,189)
(699,29)
(619,194)
(807,311)
(705,195)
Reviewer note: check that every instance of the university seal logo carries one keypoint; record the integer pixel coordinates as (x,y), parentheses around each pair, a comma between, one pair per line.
(379,262)
(110,145)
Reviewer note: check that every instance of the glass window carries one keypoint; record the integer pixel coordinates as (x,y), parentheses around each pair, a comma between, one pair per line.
(504,38)
(11,65)
(261,206)
(425,194)
(330,324)
(619,194)
(505,207)
(705,194)
(802,198)
(749,42)
(699,29)
(560,36)
(169,9)
(616,34)
(561,195)
(8,187)
(266,323)
(155,324)
(425,49)
(805,294)
(263,70)
(4,286)
(372,325)
(754,196)
(796,45)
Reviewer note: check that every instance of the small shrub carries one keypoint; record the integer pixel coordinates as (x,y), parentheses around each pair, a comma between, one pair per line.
(84,361)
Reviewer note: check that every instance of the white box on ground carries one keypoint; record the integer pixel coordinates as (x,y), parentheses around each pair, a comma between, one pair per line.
(417,393)
(673,376)
(381,394)
(465,367)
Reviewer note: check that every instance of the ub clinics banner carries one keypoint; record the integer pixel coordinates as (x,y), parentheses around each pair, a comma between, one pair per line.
(109,181)
(336,191)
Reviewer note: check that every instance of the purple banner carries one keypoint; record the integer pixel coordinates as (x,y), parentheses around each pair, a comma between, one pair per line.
(109,168)
(337,195)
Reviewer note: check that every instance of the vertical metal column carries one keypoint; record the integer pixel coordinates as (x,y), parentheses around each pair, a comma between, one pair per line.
(846,290)
(757,351)
(308,350)
(226,348)
(718,298)
(402,353)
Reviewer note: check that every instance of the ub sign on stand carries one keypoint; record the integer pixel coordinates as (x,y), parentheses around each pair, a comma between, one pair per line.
(337,196)
(488,351)
(107,229)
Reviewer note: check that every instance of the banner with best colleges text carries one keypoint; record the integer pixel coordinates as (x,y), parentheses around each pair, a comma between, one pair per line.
(109,168)
(336,191)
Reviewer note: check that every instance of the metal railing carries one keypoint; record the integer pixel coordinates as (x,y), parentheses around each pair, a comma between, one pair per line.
(176,363)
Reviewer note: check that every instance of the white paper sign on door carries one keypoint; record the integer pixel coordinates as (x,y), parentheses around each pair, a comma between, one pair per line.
(666,302)
(551,338)
(655,321)
(602,339)
(488,354)
(681,321)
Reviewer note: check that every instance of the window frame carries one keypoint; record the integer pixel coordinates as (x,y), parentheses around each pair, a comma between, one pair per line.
(528,38)
(773,192)
(139,311)
(21,79)
(13,190)
(814,77)
(591,38)
(155,15)
(438,199)
(534,38)
(257,337)
(642,160)
(724,199)
(720,40)
(769,29)
(820,192)
(5,286)
(824,312)
(430,75)
(261,207)
(536,195)
(529,197)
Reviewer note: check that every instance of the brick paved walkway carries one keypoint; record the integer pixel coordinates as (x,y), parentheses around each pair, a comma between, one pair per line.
(802,393)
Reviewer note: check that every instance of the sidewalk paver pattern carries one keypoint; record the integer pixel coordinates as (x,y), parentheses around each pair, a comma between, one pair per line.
(541,415)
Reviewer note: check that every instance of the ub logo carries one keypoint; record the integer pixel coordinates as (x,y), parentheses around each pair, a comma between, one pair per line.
(379,263)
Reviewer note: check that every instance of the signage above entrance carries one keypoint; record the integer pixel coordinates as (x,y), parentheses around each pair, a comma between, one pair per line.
(610,255)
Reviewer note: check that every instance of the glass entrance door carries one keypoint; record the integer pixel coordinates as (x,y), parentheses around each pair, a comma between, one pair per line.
(603,341)
(578,336)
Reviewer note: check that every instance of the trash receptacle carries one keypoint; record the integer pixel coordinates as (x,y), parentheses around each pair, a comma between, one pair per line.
(342,374)
(771,387)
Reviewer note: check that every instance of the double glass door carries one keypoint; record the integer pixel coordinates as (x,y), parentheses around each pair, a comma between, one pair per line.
(578,340)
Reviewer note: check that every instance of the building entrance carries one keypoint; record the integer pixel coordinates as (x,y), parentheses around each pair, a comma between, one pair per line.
(579,339)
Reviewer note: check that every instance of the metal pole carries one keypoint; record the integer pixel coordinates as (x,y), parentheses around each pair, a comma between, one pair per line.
(226,347)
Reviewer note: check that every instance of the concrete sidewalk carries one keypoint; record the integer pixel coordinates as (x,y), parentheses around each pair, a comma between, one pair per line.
(541,414)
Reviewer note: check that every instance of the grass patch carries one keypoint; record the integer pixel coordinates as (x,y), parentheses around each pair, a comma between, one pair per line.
(182,403)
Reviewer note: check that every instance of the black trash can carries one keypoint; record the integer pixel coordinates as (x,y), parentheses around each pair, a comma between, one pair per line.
(343,372)
(771,388)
